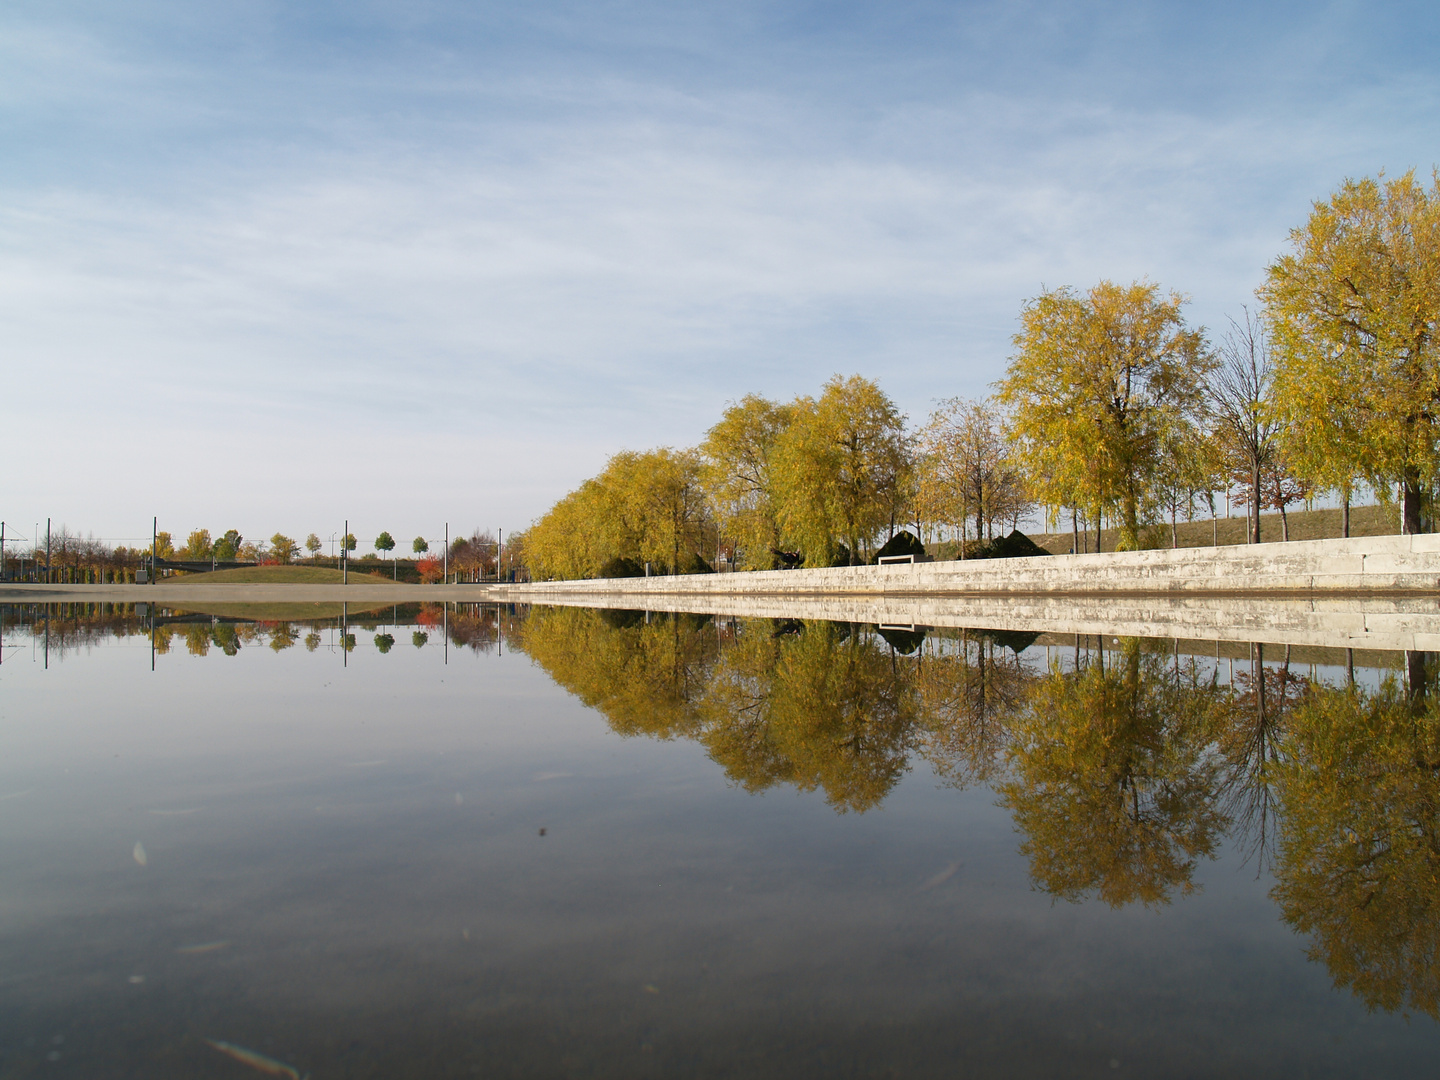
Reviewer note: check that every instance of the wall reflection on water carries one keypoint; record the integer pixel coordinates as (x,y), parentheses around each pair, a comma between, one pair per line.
(1125,764)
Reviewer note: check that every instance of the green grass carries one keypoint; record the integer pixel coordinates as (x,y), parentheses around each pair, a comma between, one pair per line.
(280,575)
(1304,525)
(284,611)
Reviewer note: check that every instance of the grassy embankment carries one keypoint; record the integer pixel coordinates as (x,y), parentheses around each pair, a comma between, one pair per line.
(1304,525)
(280,575)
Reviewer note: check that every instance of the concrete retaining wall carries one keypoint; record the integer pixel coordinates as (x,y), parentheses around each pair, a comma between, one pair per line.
(1394,623)
(1358,565)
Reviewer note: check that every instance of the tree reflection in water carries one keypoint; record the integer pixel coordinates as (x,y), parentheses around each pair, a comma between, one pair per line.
(824,707)
(1114,778)
(966,691)
(1250,742)
(1358,859)
(1122,771)
(817,706)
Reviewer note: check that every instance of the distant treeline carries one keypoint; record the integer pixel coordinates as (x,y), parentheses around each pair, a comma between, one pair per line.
(1113,410)
(72,558)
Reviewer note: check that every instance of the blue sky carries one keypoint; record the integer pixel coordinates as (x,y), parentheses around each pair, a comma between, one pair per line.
(272,265)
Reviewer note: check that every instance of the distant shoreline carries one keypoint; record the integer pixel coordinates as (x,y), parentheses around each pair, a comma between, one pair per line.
(1407,566)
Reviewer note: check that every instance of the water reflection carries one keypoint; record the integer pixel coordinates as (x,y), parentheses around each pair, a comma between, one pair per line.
(1358,864)
(1125,765)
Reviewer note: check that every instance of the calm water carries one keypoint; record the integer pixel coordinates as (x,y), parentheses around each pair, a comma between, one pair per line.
(560,842)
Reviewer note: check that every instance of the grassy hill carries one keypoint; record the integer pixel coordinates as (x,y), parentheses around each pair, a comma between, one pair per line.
(280,575)
(1304,525)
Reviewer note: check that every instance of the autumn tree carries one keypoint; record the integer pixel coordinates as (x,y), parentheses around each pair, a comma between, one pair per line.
(197,545)
(964,468)
(841,470)
(644,507)
(1098,387)
(1246,429)
(568,542)
(313,546)
(227,547)
(283,549)
(419,545)
(737,473)
(1354,308)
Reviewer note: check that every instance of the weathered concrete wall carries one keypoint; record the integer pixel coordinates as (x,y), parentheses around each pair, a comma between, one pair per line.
(1358,565)
(1366,593)
(1391,623)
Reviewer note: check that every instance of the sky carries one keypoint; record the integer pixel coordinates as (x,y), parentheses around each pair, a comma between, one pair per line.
(273,266)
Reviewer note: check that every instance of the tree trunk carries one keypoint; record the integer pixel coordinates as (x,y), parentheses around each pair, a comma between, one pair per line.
(1410,505)
(1284,524)
(1345,516)
(1255,509)
(1416,678)
(1074,532)
(1099,530)
(1130,531)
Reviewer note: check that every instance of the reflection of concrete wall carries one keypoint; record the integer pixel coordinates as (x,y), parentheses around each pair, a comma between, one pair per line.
(1370,564)
(1387,624)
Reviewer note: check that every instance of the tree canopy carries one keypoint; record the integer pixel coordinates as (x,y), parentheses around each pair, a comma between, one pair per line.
(1354,308)
(1101,387)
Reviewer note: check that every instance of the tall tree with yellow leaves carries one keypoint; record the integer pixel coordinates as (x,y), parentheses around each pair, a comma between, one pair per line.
(1098,388)
(737,472)
(841,469)
(1354,309)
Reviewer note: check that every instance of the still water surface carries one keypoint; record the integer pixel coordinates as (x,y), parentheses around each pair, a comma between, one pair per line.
(564,842)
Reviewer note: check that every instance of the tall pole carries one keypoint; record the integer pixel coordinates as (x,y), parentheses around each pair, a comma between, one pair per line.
(446,571)
(345,558)
(47,570)
(499,550)
(154,541)
(2,554)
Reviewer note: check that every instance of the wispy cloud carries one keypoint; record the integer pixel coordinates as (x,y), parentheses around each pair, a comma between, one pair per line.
(526,268)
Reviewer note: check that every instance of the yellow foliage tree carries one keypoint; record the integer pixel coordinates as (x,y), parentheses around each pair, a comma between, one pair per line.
(1098,389)
(197,545)
(963,468)
(737,454)
(1354,309)
(841,470)
(644,507)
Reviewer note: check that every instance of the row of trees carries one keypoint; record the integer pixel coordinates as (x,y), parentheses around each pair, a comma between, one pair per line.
(71,557)
(820,476)
(1113,409)
(75,558)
